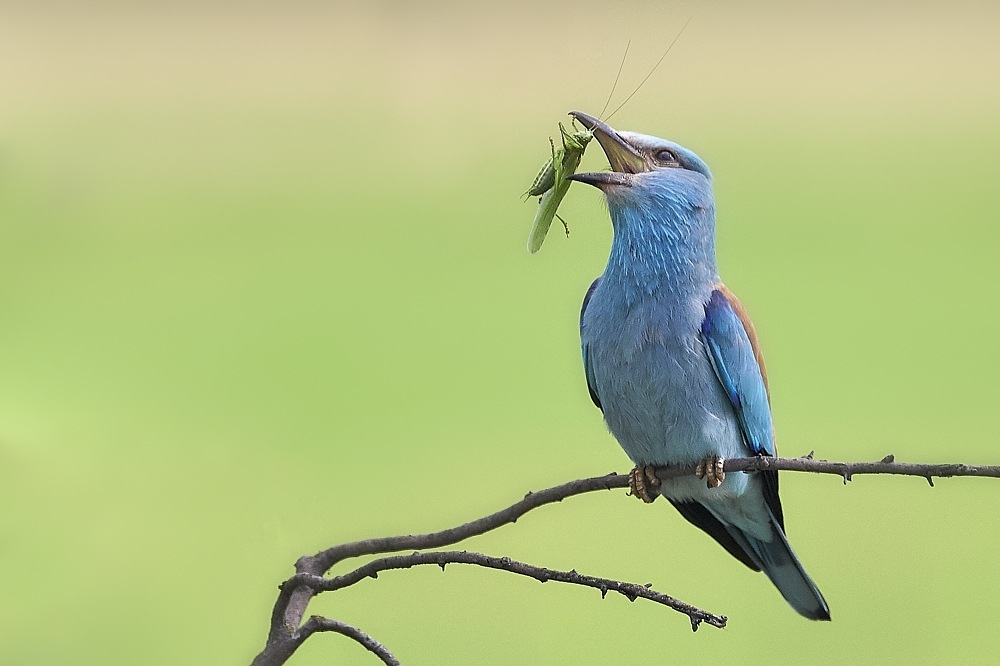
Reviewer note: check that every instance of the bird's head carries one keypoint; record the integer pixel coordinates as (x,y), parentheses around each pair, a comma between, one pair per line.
(646,171)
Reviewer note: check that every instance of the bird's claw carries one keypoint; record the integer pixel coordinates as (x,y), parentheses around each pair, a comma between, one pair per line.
(642,483)
(710,469)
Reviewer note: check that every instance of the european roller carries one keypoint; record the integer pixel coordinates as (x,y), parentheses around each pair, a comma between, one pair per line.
(672,359)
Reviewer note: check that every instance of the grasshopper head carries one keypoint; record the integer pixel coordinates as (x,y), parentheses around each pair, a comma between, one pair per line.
(576,140)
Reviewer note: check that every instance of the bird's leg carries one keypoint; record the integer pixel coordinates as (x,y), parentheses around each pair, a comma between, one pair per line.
(642,483)
(711,469)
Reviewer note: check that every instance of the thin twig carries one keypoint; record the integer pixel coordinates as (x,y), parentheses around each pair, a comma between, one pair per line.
(532,500)
(846,470)
(317,623)
(632,591)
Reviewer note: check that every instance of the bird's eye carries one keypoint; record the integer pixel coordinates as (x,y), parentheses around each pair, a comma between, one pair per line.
(665,156)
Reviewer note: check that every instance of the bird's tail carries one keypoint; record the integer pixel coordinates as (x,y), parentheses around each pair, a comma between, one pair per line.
(777,559)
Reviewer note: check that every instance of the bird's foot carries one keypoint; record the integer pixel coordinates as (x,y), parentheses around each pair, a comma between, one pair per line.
(710,469)
(642,483)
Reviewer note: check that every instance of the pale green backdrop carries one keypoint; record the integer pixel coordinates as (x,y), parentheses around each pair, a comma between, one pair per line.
(263,289)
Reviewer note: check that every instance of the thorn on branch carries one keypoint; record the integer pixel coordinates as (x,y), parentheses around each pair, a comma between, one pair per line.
(808,456)
(889,458)
(695,623)
(604,591)
(930,480)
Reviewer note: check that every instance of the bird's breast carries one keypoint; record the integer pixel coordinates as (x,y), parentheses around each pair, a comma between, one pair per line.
(660,396)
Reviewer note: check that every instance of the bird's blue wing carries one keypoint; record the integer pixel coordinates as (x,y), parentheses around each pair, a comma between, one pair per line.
(587,367)
(731,344)
(735,359)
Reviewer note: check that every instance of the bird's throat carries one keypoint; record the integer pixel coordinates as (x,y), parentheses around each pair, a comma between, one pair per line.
(669,250)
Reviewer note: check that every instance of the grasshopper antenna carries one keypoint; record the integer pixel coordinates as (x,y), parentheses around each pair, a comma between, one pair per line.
(652,70)
(618,76)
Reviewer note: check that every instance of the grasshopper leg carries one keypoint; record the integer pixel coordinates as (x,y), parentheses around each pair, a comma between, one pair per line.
(565,226)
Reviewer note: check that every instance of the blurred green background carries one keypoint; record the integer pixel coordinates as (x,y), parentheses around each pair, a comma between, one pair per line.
(263,289)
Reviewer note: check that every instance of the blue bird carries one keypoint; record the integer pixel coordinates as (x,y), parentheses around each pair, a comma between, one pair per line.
(672,359)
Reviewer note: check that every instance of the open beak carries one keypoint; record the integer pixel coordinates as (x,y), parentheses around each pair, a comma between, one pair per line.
(625,160)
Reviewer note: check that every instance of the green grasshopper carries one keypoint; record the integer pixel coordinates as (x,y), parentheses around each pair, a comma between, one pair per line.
(552,182)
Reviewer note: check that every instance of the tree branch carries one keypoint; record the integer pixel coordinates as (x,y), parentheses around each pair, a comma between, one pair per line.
(328,558)
(286,615)
(292,601)
(846,470)
(316,624)
(631,591)
(286,634)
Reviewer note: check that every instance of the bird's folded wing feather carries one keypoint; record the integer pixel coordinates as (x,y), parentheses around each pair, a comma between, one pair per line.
(587,365)
(734,357)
